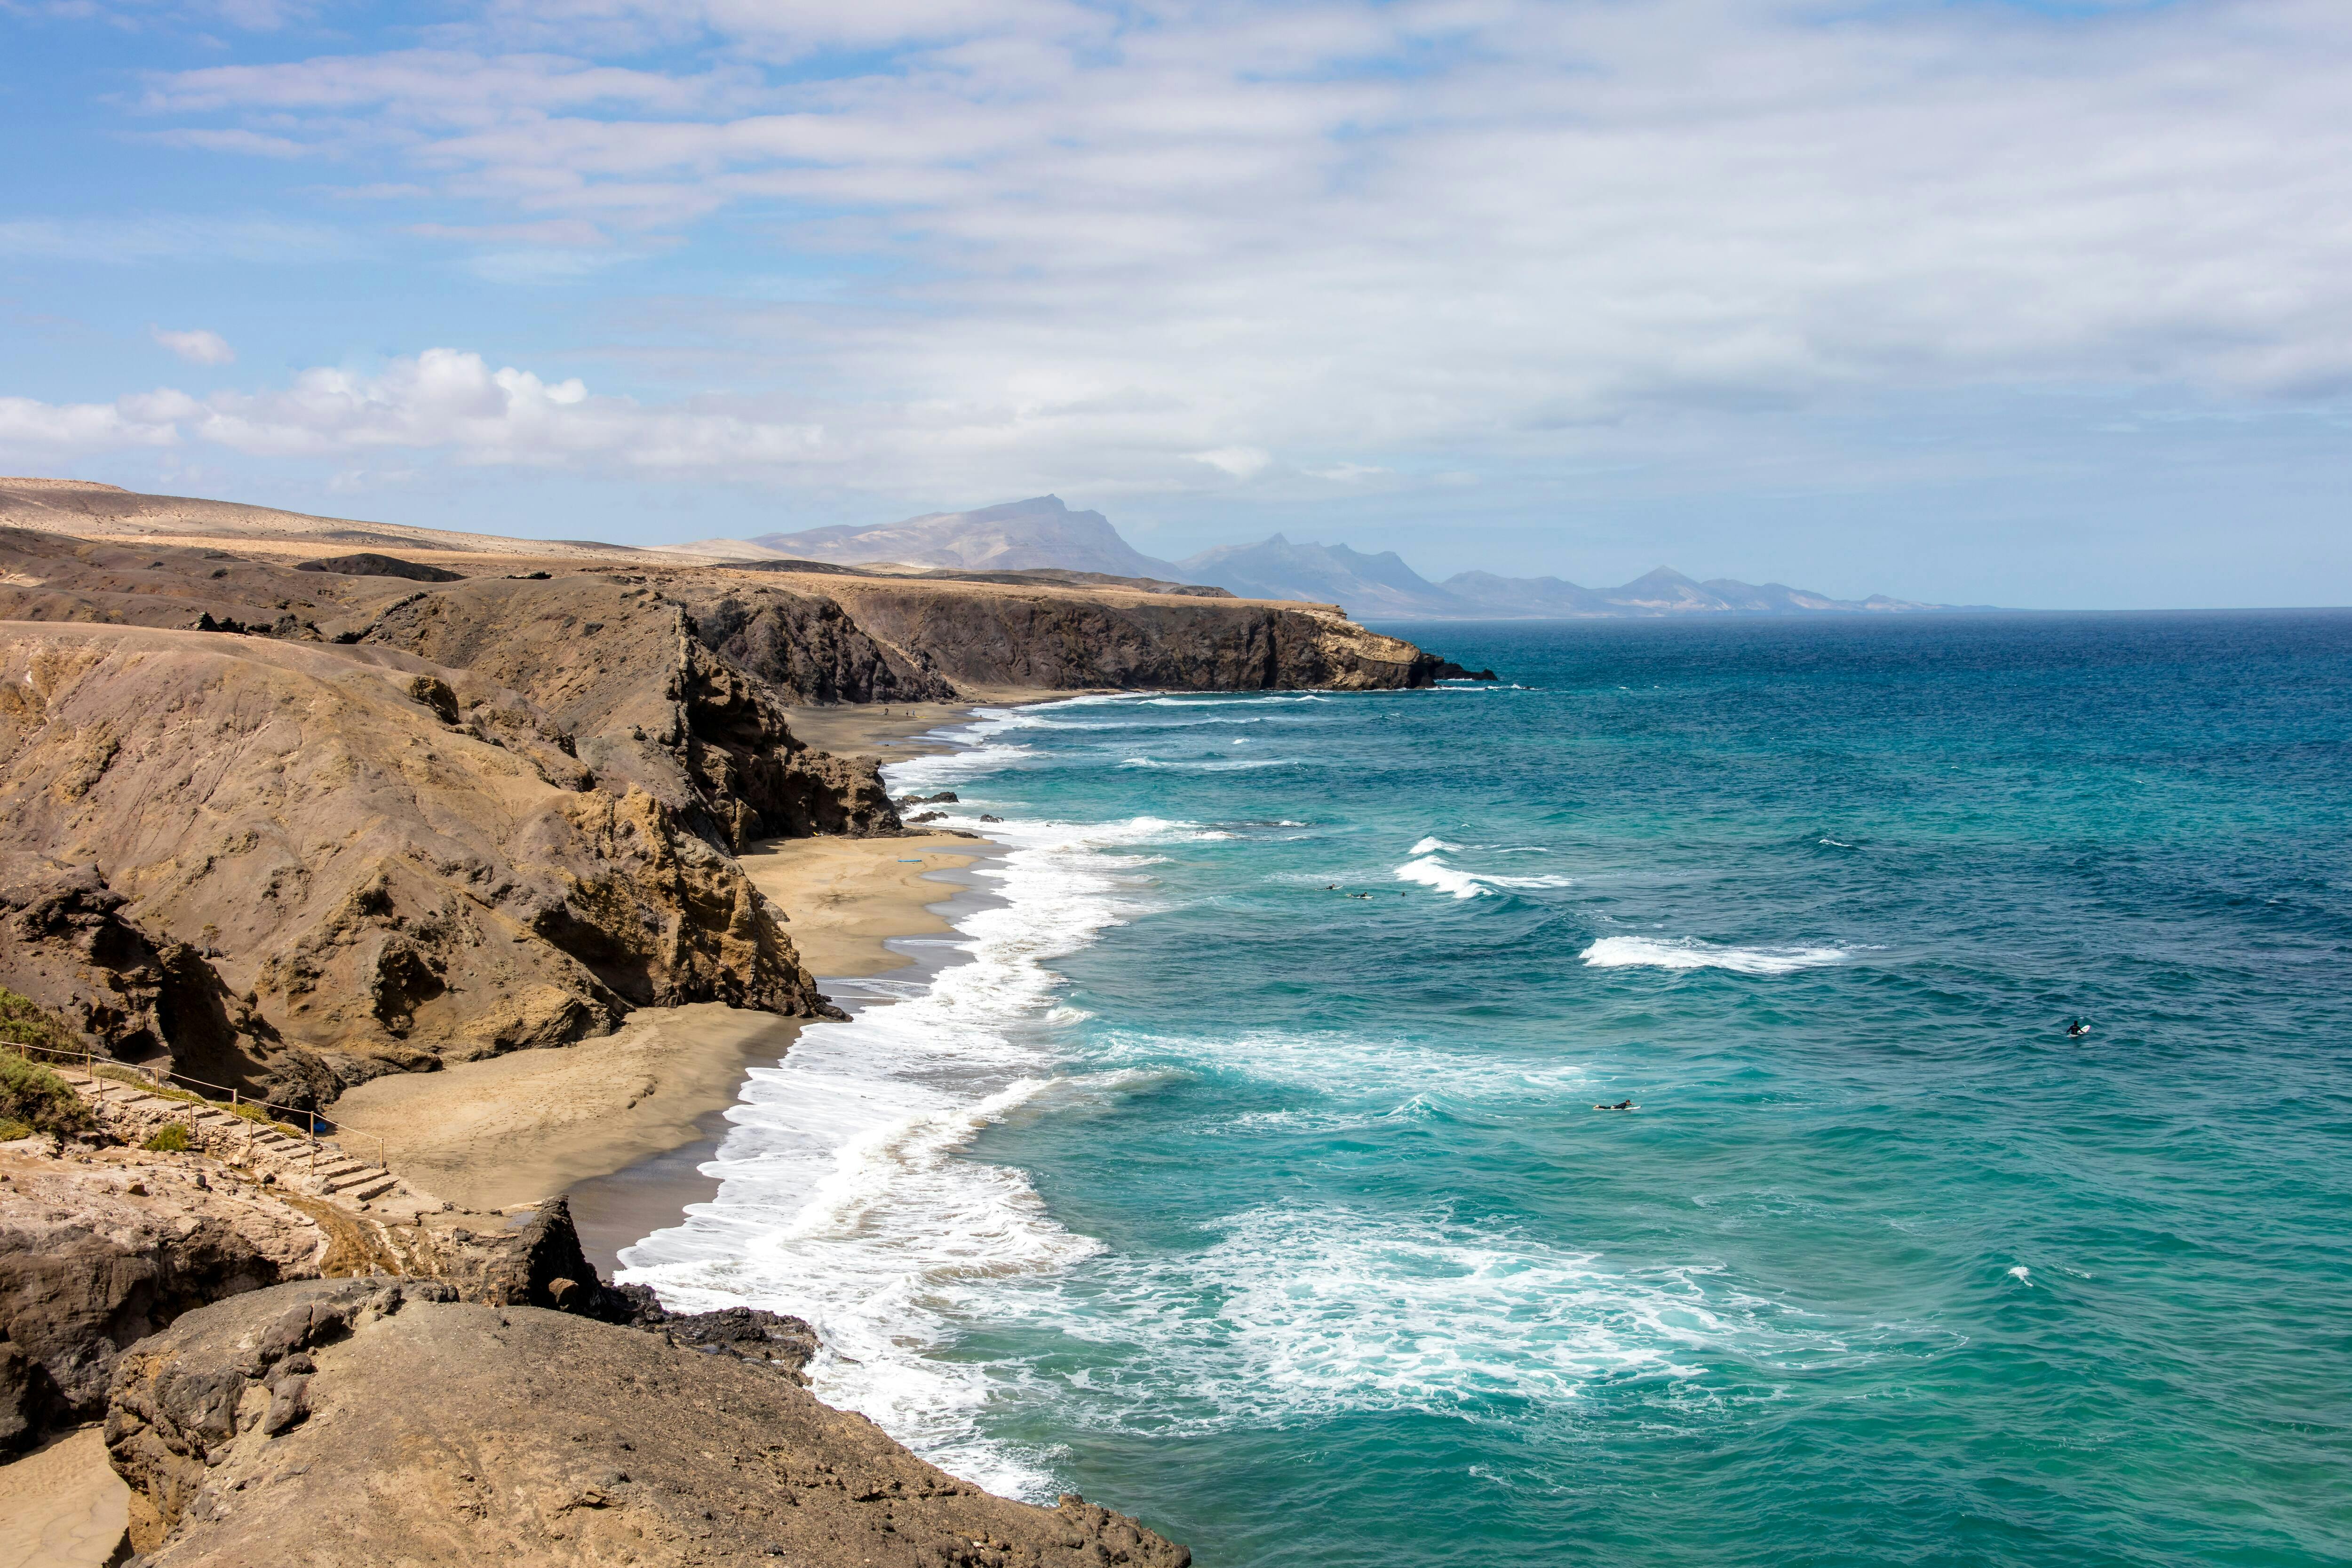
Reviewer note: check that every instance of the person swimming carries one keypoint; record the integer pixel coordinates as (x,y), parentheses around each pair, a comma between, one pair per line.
(1620,1105)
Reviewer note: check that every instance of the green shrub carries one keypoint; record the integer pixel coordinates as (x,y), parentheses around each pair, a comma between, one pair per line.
(169,1139)
(12,1131)
(23,1023)
(36,1096)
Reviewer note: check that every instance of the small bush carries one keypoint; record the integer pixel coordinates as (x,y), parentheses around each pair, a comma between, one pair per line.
(37,1098)
(12,1131)
(169,1139)
(23,1023)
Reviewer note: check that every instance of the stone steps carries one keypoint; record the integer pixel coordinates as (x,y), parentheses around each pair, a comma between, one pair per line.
(343,1181)
(320,1167)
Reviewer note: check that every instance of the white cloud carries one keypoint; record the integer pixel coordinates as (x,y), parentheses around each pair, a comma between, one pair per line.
(1240,462)
(196,346)
(51,429)
(1140,250)
(442,401)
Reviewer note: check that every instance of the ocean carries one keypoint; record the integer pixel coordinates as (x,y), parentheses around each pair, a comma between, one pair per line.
(1237,1164)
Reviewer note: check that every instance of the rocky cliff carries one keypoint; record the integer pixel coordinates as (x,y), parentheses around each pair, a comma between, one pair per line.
(302,865)
(97,1256)
(379,1422)
(626,668)
(985,637)
(297,820)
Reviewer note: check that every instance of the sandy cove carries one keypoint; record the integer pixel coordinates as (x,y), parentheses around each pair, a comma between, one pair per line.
(513,1130)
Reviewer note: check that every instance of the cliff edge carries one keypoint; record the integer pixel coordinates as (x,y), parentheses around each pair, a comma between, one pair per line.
(379,1421)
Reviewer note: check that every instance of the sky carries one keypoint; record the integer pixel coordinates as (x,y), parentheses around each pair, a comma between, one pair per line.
(2046,305)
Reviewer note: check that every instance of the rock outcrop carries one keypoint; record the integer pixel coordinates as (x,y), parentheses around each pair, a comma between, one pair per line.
(96,1255)
(985,636)
(379,1422)
(379,867)
(804,646)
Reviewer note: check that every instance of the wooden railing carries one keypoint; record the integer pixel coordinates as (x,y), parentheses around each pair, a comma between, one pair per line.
(90,1061)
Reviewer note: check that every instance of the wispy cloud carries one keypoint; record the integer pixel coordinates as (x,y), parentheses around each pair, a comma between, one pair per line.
(1335,247)
(442,401)
(174,238)
(196,345)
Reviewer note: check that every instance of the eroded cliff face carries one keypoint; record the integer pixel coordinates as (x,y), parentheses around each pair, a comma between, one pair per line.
(988,637)
(627,672)
(804,647)
(95,1256)
(378,867)
(381,822)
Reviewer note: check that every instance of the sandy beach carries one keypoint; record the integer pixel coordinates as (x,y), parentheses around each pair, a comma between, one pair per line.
(519,1128)
(62,1506)
(893,731)
(847,897)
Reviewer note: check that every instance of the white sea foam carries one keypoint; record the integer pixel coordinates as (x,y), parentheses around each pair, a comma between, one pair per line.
(1305,1312)
(1232,766)
(1680,953)
(1230,702)
(843,1197)
(1359,1074)
(1431,871)
(1434,847)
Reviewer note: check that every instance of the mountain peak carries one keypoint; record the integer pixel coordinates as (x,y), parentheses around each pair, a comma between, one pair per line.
(1010,536)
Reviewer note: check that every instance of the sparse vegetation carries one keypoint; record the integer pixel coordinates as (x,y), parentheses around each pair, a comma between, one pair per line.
(164,1090)
(35,1098)
(169,1139)
(24,1024)
(12,1131)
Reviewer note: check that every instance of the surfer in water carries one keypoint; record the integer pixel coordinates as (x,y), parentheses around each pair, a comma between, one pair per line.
(2077,1028)
(1620,1105)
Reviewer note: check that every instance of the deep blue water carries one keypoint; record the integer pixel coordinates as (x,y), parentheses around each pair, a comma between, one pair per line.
(1283,1216)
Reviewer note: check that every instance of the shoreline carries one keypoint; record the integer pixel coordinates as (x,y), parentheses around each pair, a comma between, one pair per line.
(624,1123)
(624,1206)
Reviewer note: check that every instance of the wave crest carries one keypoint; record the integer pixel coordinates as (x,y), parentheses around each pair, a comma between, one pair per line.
(1682,952)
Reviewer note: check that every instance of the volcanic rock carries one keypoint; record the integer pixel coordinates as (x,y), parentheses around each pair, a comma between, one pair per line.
(385,889)
(434,1431)
(95,1256)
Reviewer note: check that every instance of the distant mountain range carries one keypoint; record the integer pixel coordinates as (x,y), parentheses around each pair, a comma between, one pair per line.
(1014,537)
(1044,532)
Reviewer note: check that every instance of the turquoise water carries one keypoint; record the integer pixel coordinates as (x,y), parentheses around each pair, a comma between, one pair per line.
(1283,1217)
